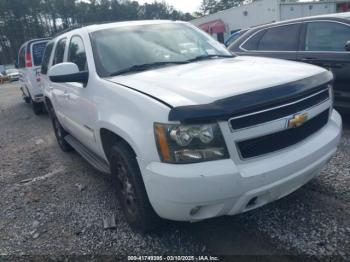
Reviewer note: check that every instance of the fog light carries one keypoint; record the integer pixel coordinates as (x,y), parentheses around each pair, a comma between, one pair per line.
(195,210)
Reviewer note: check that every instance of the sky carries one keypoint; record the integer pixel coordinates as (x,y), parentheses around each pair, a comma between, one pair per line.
(181,5)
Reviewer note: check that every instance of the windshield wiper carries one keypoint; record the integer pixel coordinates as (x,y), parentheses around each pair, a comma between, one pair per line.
(205,57)
(144,67)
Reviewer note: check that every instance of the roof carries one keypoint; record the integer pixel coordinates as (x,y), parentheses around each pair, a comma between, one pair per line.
(97,27)
(312,2)
(345,15)
(36,40)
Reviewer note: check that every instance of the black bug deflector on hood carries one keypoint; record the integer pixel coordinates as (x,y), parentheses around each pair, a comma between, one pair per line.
(226,108)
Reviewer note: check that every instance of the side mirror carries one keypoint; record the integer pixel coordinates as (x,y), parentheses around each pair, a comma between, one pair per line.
(347,46)
(68,72)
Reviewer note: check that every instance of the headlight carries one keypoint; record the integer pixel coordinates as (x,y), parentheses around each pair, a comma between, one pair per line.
(181,144)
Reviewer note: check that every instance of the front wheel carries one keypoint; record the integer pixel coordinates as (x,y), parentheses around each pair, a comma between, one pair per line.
(60,134)
(131,192)
(27,99)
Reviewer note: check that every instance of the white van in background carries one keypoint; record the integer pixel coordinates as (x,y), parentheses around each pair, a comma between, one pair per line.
(29,63)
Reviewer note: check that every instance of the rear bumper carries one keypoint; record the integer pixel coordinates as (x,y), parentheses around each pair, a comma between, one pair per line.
(200,191)
(38,98)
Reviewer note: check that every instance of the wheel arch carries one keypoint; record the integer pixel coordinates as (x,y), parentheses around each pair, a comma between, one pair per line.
(110,138)
(49,106)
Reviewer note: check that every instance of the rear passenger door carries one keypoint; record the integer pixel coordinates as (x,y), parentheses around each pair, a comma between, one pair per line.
(277,42)
(45,67)
(323,44)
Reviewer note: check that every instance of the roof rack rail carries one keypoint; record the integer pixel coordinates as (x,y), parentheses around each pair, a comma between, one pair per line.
(68,30)
(77,26)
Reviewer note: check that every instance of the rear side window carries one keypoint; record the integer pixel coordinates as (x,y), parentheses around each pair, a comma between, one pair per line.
(38,52)
(22,57)
(326,36)
(281,38)
(46,58)
(59,52)
(77,54)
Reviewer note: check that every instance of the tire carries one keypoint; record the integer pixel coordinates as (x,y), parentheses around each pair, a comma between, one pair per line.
(131,192)
(38,108)
(27,100)
(60,134)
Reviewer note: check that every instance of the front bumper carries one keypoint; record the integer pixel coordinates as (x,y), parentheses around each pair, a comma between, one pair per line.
(195,192)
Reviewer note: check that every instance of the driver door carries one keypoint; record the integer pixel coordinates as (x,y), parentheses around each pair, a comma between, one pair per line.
(58,90)
(82,116)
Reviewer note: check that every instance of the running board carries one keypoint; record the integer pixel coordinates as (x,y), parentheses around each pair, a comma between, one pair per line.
(97,162)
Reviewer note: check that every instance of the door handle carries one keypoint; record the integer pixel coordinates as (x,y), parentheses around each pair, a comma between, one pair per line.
(308,59)
(50,88)
(66,95)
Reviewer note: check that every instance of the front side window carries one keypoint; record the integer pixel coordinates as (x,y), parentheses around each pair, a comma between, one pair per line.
(120,48)
(253,42)
(281,38)
(77,54)
(46,58)
(59,52)
(326,36)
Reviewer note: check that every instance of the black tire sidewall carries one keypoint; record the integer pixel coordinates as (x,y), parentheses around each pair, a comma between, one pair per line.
(37,108)
(146,219)
(60,137)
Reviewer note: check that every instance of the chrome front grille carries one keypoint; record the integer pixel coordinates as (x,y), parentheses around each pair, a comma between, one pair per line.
(269,130)
(273,142)
(279,111)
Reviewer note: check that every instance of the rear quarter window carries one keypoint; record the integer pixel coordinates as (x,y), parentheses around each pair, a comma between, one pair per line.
(38,52)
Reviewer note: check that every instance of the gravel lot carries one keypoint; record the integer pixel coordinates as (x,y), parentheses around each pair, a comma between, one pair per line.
(53,203)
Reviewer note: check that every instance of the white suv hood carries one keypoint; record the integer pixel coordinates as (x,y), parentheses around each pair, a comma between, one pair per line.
(207,81)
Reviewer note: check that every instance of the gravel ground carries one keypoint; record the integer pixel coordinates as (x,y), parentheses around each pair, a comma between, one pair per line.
(53,203)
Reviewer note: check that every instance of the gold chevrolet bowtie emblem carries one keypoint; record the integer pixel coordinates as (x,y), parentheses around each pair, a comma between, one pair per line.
(297,120)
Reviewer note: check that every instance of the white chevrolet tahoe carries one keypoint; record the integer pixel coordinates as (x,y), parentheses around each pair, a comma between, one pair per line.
(187,130)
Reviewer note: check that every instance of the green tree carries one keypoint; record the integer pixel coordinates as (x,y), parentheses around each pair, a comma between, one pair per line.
(208,7)
(22,20)
(213,6)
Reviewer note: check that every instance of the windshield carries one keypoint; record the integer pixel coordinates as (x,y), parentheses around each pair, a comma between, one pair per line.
(10,71)
(121,48)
